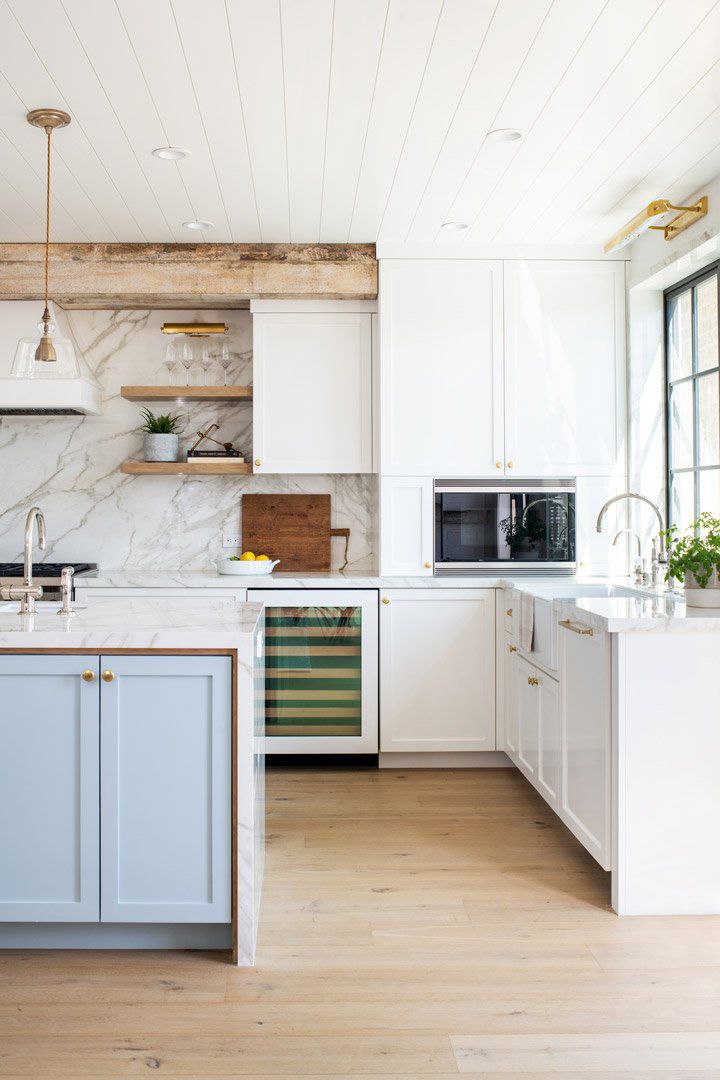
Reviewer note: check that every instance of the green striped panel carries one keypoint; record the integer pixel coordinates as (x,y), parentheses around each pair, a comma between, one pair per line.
(312,680)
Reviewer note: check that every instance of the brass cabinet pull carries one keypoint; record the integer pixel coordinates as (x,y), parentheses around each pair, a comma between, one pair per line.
(258,461)
(498,464)
(512,648)
(509,612)
(510,465)
(532,681)
(386,599)
(586,631)
(107,675)
(427,565)
(88,675)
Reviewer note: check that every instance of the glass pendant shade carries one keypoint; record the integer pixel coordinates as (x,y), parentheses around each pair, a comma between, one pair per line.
(26,366)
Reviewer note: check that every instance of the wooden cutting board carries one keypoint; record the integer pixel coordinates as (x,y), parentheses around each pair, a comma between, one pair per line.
(292,528)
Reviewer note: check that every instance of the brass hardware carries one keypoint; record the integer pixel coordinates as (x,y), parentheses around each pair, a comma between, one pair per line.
(512,648)
(510,464)
(509,612)
(88,675)
(585,630)
(386,599)
(203,435)
(194,328)
(258,461)
(498,464)
(48,118)
(687,216)
(532,681)
(107,675)
(427,565)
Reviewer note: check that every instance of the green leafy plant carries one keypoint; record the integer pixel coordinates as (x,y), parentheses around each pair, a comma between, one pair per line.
(695,550)
(159,425)
(528,528)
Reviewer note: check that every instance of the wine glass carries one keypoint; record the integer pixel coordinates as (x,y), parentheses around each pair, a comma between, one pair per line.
(171,361)
(187,359)
(224,360)
(206,361)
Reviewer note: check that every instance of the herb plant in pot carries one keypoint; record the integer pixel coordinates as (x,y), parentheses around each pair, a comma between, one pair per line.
(160,440)
(695,559)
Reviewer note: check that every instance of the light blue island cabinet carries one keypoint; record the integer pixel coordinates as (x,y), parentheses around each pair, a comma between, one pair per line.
(131,791)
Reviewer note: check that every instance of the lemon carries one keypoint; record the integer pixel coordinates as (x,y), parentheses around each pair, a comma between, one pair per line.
(263,558)
(247,556)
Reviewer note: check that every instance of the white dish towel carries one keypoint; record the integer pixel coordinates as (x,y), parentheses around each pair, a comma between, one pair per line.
(527,621)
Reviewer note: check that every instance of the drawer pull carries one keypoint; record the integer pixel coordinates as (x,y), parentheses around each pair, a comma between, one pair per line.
(509,612)
(584,630)
(512,648)
(532,681)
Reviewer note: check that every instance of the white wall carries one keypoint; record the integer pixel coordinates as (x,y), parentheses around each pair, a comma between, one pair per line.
(69,465)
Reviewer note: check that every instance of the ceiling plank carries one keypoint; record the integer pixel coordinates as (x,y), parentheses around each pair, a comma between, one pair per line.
(188,275)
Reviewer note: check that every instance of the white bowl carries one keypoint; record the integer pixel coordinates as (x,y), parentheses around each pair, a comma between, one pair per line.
(247,568)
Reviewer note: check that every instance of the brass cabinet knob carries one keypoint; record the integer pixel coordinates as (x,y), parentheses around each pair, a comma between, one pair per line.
(532,681)
(512,648)
(498,464)
(427,565)
(509,612)
(258,461)
(88,675)
(386,599)
(107,675)
(510,465)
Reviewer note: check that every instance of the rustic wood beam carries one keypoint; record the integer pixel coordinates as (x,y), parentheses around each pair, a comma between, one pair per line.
(187,275)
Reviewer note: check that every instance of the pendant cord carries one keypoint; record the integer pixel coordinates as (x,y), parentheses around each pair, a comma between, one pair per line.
(47,221)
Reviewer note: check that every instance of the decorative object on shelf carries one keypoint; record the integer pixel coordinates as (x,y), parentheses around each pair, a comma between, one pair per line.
(160,441)
(228,450)
(694,559)
(244,566)
(658,208)
(47,356)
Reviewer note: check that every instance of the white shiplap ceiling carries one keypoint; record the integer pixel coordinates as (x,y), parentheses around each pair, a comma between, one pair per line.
(356,120)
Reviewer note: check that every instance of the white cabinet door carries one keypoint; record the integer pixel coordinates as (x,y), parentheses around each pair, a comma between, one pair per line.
(548,773)
(564,367)
(585,721)
(165,772)
(406,525)
(528,715)
(510,698)
(441,367)
(49,789)
(312,392)
(437,669)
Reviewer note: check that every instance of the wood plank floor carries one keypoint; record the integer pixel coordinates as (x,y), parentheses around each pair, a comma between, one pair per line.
(415,924)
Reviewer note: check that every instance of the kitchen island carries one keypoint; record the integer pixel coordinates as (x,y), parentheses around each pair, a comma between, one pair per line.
(132,775)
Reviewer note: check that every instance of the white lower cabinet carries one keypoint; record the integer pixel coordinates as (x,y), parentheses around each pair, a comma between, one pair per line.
(437,670)
(585,731)
(534,701)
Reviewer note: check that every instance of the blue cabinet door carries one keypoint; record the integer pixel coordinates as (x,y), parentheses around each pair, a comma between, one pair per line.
(166,787)
(49,791)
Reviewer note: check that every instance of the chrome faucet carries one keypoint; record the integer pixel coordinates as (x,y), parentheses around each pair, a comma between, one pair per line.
(639,575)
(658,555)
(29,591)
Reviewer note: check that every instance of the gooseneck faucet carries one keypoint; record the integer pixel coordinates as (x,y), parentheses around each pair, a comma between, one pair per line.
(658,556)
(27,600)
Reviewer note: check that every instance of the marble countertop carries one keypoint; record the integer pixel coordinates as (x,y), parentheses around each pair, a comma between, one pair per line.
(139,579)
(131,623)
(656,612)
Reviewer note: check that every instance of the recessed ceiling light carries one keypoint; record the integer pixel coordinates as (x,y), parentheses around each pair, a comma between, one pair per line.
(198,225)
(171,153)
(454,226)
(504,134)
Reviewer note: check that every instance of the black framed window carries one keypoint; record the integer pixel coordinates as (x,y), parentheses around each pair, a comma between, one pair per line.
(692,359)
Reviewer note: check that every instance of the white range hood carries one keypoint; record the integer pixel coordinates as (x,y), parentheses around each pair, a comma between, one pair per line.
(43,397)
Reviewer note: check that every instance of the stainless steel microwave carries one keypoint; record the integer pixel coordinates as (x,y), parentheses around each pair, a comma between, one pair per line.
(518,525)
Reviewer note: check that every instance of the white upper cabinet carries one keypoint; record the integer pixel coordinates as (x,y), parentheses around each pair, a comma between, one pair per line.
(564,365)
(406,525)
(312,392)
(441,380)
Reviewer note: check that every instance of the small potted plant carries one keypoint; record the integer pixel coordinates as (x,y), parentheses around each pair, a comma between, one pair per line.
(694,558)
(160,440)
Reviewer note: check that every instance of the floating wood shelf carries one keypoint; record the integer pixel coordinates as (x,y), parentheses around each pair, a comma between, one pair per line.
(187,393)
(199,467)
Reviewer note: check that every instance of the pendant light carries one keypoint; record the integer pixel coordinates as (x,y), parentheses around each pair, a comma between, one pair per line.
(46,355)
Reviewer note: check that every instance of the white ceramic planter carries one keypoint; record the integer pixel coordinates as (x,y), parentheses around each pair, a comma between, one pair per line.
(707,597)
(161,447)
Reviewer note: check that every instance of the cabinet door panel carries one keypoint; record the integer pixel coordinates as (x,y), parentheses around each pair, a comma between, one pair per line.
(564,337)
(528,710)
(165,781)
(49,789)
(511,697)
(437,669)
(549,760)
(441,367)
(312,392)
(406,525)
(584,662)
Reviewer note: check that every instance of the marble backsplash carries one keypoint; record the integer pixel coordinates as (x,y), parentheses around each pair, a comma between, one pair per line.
(69,465)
